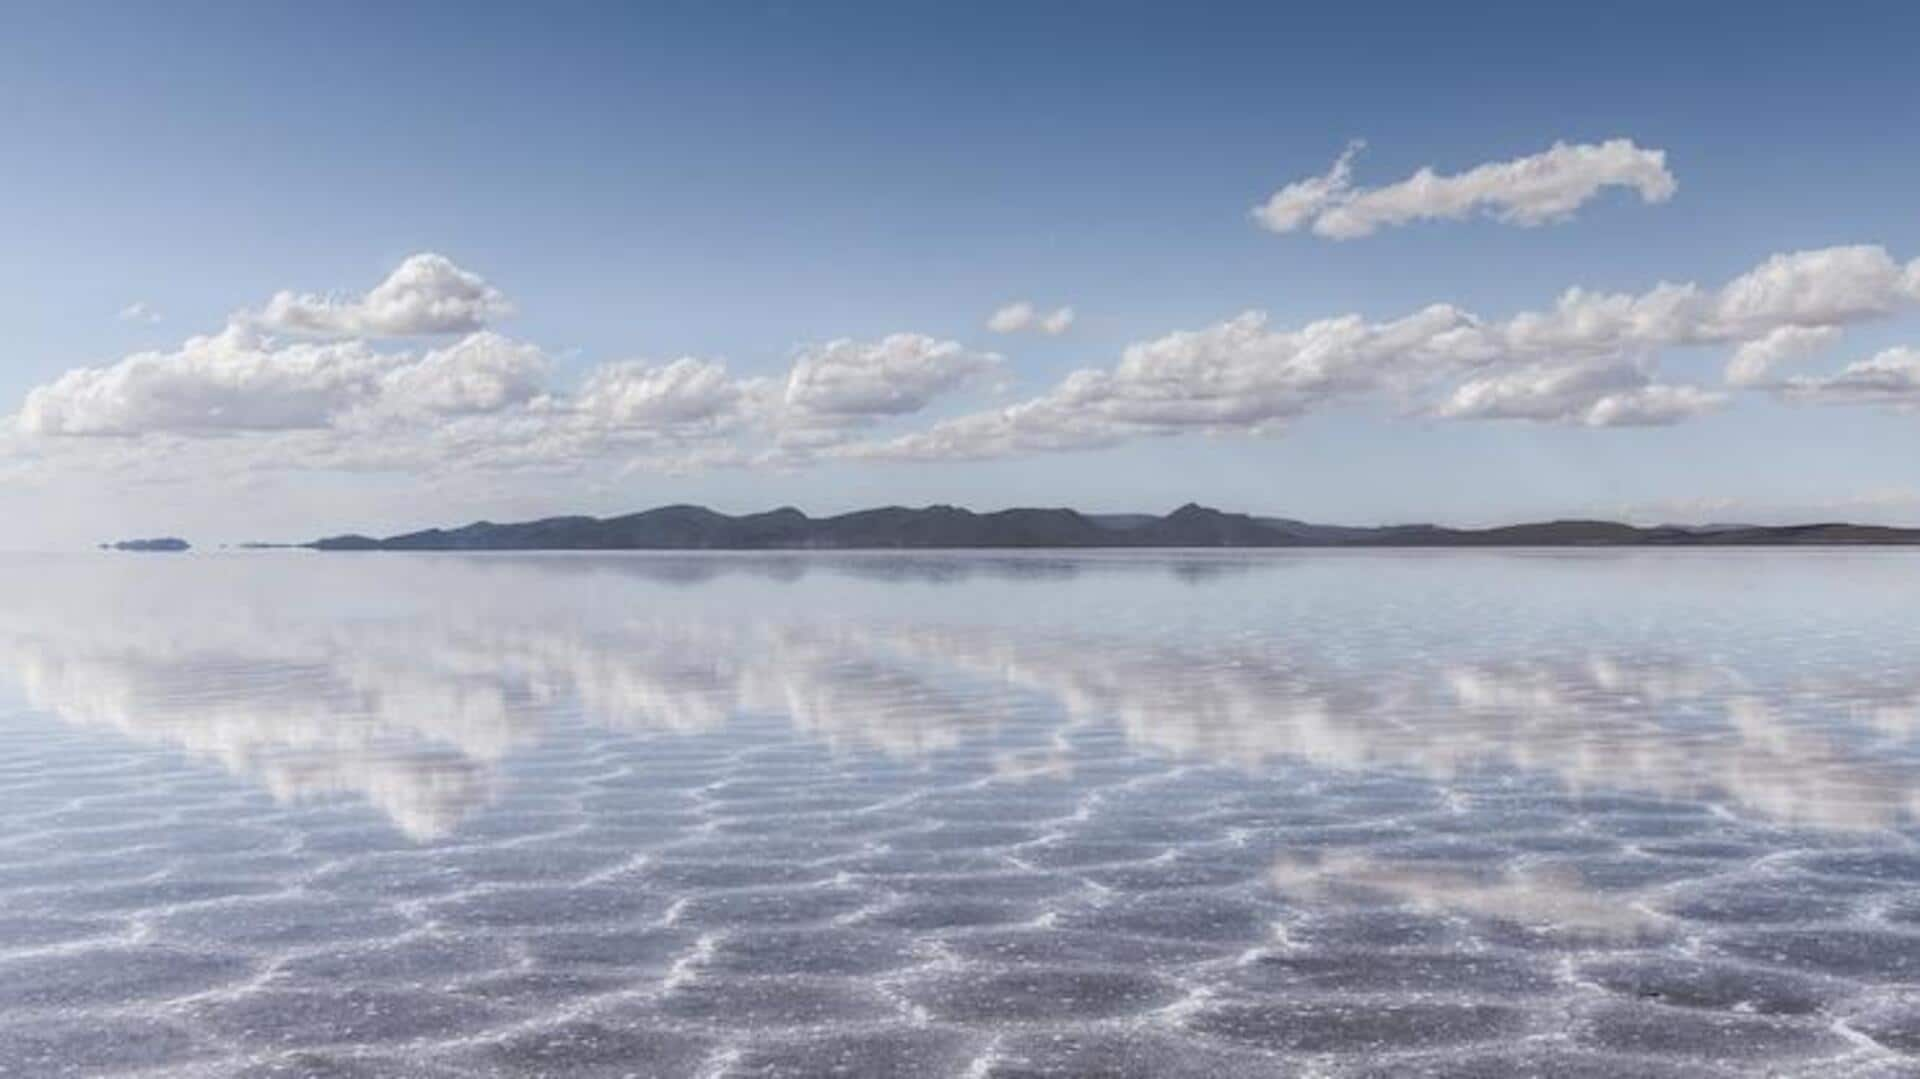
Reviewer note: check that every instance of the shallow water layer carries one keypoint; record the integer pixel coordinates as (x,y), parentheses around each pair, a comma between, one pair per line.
(1153,814)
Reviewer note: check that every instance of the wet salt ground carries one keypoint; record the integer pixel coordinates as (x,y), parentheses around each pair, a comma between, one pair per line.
(1254,825)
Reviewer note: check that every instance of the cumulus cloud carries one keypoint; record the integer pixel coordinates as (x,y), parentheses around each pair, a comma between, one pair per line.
(1756,362)
(1793,306)
(1821,287)
(1533,190)
(484,401)
(853,381)
(1011,318)
(1827,287)
(1042,425)
(1891,377)
(1584,394)
(140,311)
(688,392)
(1022,315)
(241,380)
(235,380)
(1586,361)
(483,372)
(426,294)
(1652,405)
(1239,375)
(246,398)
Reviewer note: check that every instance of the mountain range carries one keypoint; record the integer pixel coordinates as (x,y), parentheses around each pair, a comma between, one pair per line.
(698,528)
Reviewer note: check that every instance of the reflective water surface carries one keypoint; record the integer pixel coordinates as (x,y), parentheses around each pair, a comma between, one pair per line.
(1129,814)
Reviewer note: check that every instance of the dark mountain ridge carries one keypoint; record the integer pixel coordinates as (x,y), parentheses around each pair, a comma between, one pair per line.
(694,528)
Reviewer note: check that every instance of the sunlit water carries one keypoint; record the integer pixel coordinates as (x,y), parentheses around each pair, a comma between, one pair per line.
(1448,813)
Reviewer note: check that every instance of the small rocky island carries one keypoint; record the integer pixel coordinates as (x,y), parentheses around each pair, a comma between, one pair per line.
(161,543)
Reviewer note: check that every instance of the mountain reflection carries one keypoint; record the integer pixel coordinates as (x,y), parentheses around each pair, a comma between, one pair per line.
(408,683)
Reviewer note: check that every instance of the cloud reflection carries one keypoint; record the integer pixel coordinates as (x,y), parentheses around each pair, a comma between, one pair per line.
(407,683)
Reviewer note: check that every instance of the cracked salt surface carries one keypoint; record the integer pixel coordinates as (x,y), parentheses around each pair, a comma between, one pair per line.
(1328,814)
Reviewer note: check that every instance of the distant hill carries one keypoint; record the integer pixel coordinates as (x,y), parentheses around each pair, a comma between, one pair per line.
(696,528)
(163,543)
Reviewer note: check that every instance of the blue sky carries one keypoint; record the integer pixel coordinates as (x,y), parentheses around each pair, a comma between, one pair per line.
(749,183)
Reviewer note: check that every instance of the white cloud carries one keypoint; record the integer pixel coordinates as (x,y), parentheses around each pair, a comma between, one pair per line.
(1238,375)
(425,294)
(852,381)
(1813,288)
(1012,318)
(1585,394)
(483,372)
(1041,425)
(485,401)
(1891,377)
(140,311)
(1302,201)
(235,380)
(1824,287)
(1755,362)
(1022,315)
(482,402)
(1534,190)
(687,392)
(1585,361)
(1653,405)
(241,380)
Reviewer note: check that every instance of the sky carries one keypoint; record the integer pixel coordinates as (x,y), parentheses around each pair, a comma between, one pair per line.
(271,271)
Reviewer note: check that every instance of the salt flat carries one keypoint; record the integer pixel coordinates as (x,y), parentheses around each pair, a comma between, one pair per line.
(1139,813)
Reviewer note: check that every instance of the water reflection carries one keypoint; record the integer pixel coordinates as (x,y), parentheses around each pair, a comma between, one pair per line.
(1521,895)
(408,682)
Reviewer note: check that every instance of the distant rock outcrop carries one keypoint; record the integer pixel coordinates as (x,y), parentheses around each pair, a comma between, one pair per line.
(696,528)
(162,543)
